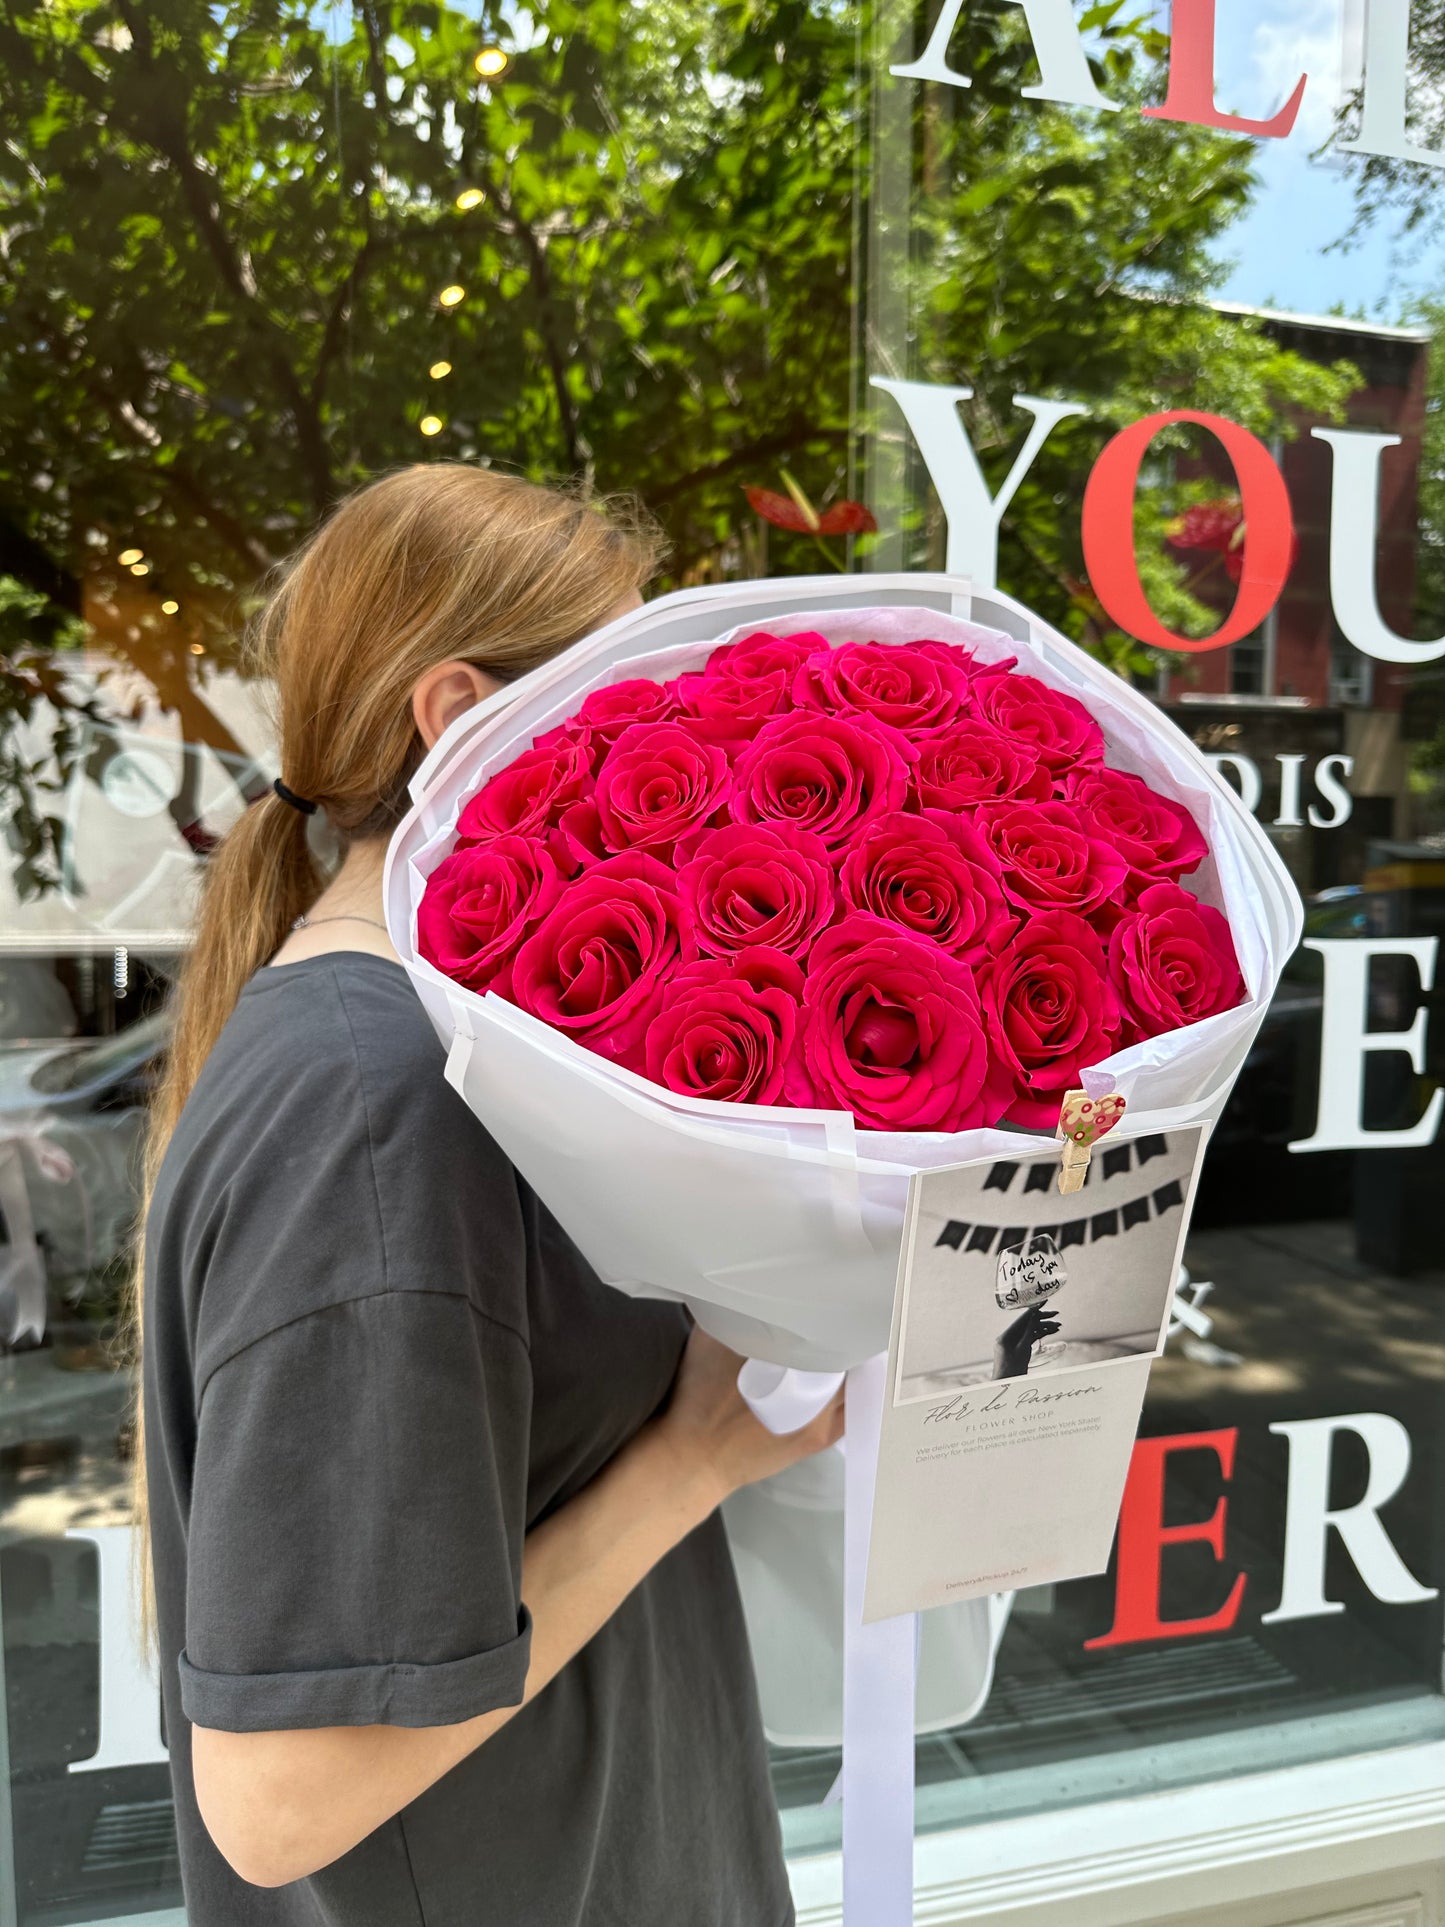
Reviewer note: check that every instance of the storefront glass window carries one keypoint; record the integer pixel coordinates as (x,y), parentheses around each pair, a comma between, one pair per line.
(739,258)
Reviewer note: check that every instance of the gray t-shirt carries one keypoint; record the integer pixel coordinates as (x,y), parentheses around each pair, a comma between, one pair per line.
(373,1361)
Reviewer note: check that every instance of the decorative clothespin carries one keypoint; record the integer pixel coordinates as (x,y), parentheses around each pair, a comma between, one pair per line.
(1083,1120)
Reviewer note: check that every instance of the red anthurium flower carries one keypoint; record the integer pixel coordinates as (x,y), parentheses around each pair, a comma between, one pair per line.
(799,515)
(1219,526)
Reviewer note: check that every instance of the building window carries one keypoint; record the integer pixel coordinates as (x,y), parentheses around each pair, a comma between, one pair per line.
(1247,667)
(1352,675)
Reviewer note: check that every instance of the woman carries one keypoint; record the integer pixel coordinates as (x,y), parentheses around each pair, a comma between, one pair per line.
(447,1623)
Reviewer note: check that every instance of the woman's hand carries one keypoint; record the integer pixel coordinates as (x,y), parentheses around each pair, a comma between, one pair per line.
(1014,1346)
(711,1428)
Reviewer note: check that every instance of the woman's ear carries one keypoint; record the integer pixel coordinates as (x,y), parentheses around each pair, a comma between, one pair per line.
(444,693)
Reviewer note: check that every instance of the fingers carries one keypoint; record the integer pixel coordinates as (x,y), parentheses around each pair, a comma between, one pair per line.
(825,1430)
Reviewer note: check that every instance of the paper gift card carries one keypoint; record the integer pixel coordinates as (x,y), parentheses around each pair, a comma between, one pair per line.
(1024,1327)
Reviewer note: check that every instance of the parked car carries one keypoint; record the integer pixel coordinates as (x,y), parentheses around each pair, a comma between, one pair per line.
(72,1121)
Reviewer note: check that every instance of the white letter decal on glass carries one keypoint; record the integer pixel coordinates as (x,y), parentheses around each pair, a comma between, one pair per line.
(130,1707)
(1346,1043)
(1308,1517)
(1289,817)
(1333,791)
(1064,74)
(972,514)
(1387,75)
(1354,523)
(1251,784)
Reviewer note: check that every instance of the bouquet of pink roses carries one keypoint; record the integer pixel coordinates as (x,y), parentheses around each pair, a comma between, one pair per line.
(893,880)
(768,896)
(729,931)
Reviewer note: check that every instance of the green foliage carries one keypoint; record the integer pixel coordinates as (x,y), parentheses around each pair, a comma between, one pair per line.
(1072,254)
(227,227)
(227,223)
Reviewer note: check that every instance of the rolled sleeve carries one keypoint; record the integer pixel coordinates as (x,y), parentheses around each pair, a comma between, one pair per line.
(356,1524)
(444,1694)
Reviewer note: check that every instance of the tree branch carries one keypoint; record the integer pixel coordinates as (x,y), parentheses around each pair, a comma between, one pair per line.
(165,129)
(541,279)
(783,442)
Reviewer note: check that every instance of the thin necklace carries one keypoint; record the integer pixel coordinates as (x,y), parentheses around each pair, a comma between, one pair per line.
(342,916)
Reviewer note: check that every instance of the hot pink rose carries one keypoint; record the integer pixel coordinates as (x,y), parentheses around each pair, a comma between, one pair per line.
(656,784)
(915,690)
(1158,839)
(971,762)
(1051,1011)
(758,883)
(891,1032)
(763,654)
(1048,861)
(726,1029)
(577,840)
(932,874)
(528,797)
(597,967)
(730,710)
(607,712)
(821,773)
(480,902)
(1173,963)
(1062,732)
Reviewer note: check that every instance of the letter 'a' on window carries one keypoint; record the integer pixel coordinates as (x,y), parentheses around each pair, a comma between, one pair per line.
(1065,76)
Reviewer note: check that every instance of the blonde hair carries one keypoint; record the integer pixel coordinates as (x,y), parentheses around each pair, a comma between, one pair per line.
(432,563)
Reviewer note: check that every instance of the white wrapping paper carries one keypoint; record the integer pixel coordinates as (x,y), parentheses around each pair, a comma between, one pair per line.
(781,1229)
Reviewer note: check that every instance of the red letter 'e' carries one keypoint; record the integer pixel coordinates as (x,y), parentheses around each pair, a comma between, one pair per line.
(1143,1536)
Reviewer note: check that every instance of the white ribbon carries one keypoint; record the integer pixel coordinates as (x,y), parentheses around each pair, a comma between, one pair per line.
(878,1689)
(785,1400)
(879,1661)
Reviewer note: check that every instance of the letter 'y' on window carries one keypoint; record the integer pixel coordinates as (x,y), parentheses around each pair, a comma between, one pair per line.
(972,514)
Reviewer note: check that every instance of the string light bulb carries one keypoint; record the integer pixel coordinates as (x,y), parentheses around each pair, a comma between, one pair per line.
(469,198)
(431,424)
(169,608)
(439,369)
(490,62)
(198,649)
(140,568)
(128,556)
(449,297)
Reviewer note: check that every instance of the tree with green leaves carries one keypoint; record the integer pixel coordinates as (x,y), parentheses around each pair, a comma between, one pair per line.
(257,250)
(1072,254)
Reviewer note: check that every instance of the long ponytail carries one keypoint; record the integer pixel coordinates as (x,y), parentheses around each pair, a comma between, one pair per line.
(435,562)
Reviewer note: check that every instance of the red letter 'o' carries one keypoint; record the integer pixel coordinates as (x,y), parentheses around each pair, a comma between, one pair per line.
(1269,543)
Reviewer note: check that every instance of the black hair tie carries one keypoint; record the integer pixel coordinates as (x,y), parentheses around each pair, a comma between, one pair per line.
(302,803)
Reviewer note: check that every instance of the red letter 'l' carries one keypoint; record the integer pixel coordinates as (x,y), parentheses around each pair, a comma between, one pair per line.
(1143,1536)
(1191,80)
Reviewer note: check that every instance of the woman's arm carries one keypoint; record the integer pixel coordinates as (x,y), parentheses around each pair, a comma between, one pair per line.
(282,1805)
